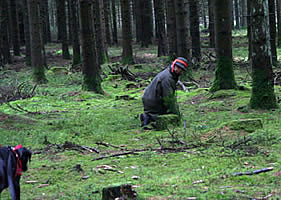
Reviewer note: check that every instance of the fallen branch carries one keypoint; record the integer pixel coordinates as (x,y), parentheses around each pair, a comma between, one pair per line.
(253,172)
(114,155)
(136,151)
(109,145)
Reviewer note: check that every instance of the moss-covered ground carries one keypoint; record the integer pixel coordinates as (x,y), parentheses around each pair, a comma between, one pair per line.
(197,161)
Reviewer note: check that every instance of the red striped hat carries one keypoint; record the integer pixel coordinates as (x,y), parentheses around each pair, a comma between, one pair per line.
(180,62)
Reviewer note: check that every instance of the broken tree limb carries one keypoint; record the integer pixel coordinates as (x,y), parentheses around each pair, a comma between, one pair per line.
(114,155)
(253,172)
(136,151)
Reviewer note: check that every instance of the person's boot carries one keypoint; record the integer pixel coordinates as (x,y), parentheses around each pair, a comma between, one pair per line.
(145,119)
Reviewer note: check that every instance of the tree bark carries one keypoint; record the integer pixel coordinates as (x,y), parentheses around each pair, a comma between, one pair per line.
(249,30)
(4,41)
(211,24)
(160,31)
(14,26)
(91,71)
(100,44)
(181,29)
(103,29)
(127,54)
(195,31)
(263,96)
(279,22)
(236,12)
(106,21)
(114,22)
(272,29)
(26,35)
(171,27)
(76,56)
(224,77)
(61,15)
(37,61)
(244,13)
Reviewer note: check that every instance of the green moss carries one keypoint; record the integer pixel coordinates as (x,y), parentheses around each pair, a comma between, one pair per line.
(58,70)
(248,125)
(222,94)
(263,96)
(224,78)
(163,121)
(39,75)
(92,84)
(127,60)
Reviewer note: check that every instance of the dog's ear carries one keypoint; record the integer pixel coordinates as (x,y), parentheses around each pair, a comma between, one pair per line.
(25,156)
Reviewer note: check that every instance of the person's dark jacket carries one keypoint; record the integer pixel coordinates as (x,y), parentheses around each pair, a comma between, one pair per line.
(159,96)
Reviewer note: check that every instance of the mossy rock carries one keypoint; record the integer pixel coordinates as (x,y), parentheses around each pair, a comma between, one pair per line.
(222,94)
(248,125)
(163,121)
(58,70)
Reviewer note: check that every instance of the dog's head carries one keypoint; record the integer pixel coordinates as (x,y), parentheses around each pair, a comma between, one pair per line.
(25,156)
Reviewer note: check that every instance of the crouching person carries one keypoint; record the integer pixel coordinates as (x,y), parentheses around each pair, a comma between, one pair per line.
(159,96)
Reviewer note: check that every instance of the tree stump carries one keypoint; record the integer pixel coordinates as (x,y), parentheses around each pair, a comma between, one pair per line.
(122,192)
(163,121)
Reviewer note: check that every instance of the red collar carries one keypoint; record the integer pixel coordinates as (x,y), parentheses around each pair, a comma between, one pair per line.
(19,163)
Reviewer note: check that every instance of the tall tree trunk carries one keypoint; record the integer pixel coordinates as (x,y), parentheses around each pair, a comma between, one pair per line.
(224,77)
(181,28)
(204,13)
(160,31)
(44,14)
(171,27)
(249,30)
(236,12)
(91,71)
(36,41)
(272,28)
(61,14)
(76,56)
(279,22)
(244,13)
(101,55)
(127,54)
(14,26)
(68,22)
(211,24)
(263,96)
(4,41)
(138,18)
(146,23)
(103,29)
(106,21)
(27,35)
(114,22)
(195,31)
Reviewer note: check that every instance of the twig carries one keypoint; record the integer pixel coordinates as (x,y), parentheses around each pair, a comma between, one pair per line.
(183,86)
(109,145)
(114,155)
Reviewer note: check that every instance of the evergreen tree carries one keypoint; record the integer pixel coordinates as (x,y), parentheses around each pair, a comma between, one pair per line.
(263,96)
(224,77)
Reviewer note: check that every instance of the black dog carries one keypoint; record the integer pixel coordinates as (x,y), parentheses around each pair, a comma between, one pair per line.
(12,162)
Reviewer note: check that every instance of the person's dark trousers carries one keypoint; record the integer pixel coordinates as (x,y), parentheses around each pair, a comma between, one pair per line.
(145,119)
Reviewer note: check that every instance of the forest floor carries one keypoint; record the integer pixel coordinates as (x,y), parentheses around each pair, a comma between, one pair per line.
(78,137)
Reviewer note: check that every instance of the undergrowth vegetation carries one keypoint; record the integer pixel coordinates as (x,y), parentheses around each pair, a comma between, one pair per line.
(73,133)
